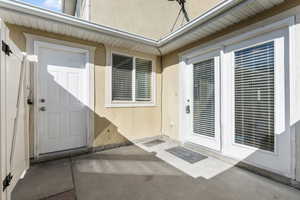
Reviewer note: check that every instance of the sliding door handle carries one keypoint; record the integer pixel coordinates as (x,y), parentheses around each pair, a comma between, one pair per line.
(188,109)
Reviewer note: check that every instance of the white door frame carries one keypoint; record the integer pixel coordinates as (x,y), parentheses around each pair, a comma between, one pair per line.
(209,142)
(219,44)
(33,43)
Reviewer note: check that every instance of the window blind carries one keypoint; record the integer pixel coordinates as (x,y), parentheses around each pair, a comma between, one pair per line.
(254,96)
(143,79)
(204,98)
(122,67)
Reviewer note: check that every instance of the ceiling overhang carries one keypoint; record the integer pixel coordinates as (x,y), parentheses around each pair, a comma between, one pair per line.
(226,13)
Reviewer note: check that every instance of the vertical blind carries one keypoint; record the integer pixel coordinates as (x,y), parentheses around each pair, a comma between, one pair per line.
(122,67)
(254,96)
(122,79)
(143,79)
(204,98)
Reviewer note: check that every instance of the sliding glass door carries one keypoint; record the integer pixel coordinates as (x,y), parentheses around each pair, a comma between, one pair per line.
(237,101)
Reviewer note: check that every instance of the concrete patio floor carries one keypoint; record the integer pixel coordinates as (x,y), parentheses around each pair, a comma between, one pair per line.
(130,173)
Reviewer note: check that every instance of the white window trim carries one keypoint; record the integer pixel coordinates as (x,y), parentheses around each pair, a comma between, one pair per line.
(281,107)
(279,81)
(109,103)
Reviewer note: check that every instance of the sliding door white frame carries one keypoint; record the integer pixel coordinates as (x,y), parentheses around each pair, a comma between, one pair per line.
(282,34)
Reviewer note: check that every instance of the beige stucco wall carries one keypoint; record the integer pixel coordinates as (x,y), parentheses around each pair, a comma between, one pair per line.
(170,105)
(150,18)
(112,125)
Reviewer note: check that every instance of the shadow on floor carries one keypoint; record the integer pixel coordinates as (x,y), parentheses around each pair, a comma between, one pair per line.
(129,173)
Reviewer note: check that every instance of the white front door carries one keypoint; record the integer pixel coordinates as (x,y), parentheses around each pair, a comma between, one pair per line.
(203,100)
(62,98)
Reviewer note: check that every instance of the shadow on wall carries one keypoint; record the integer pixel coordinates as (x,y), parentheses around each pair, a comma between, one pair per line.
(68,113)
(171,67)
(106,133)
(170,71)
(133,122)
(107,129)
(112,125)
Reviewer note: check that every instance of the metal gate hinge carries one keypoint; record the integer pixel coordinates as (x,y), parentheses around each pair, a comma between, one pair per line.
(6,182)
(29,101)
(5,48)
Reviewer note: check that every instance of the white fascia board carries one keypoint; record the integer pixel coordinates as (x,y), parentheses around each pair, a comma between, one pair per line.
(219,9)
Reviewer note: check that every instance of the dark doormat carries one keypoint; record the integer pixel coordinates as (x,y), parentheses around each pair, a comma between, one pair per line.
(186,154)
(153,143)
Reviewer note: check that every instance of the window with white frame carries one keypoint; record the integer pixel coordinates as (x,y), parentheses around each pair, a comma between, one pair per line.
(254,96)
(131,79)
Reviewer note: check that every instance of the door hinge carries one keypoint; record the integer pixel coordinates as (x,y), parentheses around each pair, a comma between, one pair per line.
(5,48)
(6,182)
(29,101)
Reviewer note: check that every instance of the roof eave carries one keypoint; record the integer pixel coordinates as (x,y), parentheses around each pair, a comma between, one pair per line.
(212,19)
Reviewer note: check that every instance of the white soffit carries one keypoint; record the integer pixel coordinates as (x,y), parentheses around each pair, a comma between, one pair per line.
(226,13)
(239,12)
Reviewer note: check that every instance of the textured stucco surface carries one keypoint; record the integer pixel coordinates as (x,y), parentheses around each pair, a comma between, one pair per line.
(112,125)
(150,18)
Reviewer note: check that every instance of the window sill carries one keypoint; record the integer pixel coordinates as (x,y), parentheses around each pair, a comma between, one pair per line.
(129,105)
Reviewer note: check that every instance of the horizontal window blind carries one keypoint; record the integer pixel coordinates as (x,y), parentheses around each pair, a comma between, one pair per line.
(204,98)
(122,68)
(254,96)
(143,79)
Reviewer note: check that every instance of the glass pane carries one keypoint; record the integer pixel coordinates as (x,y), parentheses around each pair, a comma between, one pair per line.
(143,80)
(254,96)
(122,67)
(204,98)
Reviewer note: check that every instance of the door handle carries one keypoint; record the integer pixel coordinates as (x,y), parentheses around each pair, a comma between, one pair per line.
(188,109)
(43,108)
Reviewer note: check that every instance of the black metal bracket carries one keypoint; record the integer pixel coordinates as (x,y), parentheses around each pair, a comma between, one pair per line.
(183,9)
(29,101)
(6,182)
(6,49)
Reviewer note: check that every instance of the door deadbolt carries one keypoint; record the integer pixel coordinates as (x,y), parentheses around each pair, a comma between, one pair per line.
(42,100)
